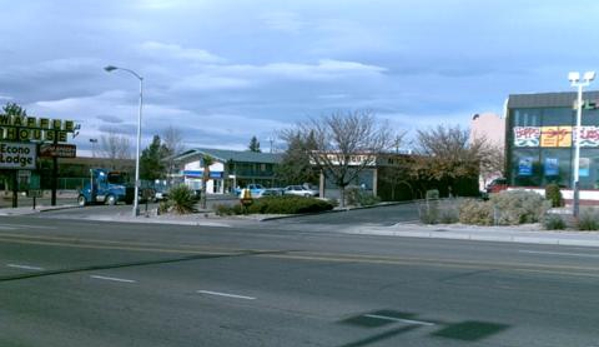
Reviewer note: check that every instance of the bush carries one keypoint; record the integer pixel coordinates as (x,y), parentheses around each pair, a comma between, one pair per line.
(588,221)
(554,222)
(518,207)
(476,212)
(438,211)
(505,208)
(182,199)
(554,194)
(288,204)
(367,199)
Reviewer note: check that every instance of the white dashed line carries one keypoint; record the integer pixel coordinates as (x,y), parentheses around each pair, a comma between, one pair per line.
(25,267)
(401,320)
(234,296)
(122,280)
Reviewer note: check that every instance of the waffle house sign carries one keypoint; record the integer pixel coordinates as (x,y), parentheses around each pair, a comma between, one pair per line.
(25,129)
(20,135)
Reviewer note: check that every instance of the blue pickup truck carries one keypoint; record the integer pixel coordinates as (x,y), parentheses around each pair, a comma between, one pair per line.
(255,189)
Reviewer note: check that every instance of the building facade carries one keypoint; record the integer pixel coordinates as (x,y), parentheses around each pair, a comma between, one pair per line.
(540,141)
(491,128)
(229,170)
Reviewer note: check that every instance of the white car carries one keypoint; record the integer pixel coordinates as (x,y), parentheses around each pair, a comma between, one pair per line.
(300,190)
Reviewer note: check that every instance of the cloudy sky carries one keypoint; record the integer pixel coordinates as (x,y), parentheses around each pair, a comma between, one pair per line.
(222,71)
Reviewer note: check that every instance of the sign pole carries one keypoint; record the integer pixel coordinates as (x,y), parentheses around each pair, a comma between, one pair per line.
(54,171)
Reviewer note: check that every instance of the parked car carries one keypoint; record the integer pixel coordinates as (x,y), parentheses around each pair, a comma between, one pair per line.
(255,189)
(300,190)
(497,185)
(269,192)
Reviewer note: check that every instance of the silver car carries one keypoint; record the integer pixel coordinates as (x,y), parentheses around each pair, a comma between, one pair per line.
(300,190)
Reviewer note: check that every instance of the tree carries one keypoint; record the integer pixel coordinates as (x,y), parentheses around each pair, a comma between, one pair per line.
(447,155)
(207,161)
(14,109)
(172,139)
(114,145)
(295,166)
(346,144)
(151,166)
(254,145)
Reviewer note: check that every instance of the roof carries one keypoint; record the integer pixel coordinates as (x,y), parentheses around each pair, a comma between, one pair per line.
(225,155)
(565,99)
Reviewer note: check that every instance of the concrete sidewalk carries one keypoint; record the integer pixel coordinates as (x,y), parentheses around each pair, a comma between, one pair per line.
(527,233)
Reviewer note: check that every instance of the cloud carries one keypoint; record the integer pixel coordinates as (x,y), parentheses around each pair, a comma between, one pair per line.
(172,51)
(110,119)
(287,22)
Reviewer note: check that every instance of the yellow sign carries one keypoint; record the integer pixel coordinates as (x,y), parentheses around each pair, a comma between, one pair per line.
(556,136)
(18,128)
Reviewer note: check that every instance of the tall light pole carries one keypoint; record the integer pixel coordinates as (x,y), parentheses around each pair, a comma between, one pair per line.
(578,82)
(93,142)
(111,68)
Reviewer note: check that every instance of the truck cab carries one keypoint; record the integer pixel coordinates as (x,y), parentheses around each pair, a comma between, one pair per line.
(106,187)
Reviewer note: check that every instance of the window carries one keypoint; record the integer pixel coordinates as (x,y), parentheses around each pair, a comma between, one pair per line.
(558,116)
(526,117)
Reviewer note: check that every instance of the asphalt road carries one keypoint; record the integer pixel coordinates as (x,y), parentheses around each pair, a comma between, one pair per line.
(83,283)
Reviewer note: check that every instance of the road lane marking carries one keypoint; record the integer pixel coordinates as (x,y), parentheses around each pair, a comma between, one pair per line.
(583,255)
(234,296)
(115,279)
(25,267)
(9,226)
(401,320)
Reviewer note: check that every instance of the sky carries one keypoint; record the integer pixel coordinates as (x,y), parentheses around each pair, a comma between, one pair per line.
(222,71)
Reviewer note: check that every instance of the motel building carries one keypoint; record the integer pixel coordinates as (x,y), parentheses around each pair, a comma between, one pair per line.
(229,170)
(540,143)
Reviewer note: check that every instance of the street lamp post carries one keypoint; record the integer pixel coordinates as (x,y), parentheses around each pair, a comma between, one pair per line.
(93,142)
(111,68)
(578,82)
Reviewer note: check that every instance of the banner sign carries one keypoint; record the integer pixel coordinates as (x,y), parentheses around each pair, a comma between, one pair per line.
(527,136)
(555,136)
(584,167)
(17,155)
(525,166)
(58,150)
(551,166)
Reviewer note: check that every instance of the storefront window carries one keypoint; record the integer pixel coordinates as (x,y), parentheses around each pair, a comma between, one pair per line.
(589,168)
(525,168)
(556,166)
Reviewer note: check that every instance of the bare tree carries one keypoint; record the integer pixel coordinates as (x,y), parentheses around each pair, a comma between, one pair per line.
(172,140)
(447,154)
(115,146)
(346,144)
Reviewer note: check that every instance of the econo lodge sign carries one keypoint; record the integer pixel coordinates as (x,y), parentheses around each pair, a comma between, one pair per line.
(17,155)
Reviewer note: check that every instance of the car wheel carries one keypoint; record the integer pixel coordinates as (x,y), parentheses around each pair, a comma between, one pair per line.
(81,200)
(307,195)
(111,200)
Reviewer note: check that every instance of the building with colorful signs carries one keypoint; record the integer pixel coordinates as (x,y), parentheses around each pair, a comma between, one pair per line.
(540,137)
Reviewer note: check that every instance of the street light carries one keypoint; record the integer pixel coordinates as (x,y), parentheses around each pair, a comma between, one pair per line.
(576,81)
(111,68)
(93,142)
